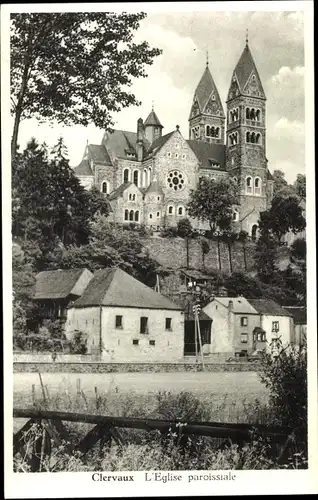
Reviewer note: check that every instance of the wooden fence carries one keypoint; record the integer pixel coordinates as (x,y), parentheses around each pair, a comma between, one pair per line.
(106,431)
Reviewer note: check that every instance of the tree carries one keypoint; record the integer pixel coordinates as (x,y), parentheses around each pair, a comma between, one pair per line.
(285,214)
(243,237)
(281,186)
(212,202)
(298,252)
(98,202)
(300,186)
(205,248)
(185,230)
(266,256)
(75,68)
(240,284)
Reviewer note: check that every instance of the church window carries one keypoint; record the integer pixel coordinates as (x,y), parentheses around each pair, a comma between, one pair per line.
(149,175)
(258,115)
(196,132)
(158,198)
(235,180)
(234,115)
(235,216)
(136,177)
(233,138)
(183,156)
(170,209)
(176,155)
(131,215)
(175,180)
(126,175)
(247,137)
(104,187)
(180,210)
(144,182)
(130,197)
(258,138)
(213,97)
(150,216)
(158,214)
(207,131)
(249,186)
(137,216)
(247,113)
(169,154)
(133,197)
(257,186)
(126,215)
(232,161)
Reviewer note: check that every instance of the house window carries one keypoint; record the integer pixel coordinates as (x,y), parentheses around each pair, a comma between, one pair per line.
(126,175)
(131,215)
(104,187)
(143,324)
(150,216)
(119,322)
(152,342)
(126,214)
(244,338)
(170,210)
(137,216)
(168,323)
(135,341)
(244,321)
(180,210)
(275,326)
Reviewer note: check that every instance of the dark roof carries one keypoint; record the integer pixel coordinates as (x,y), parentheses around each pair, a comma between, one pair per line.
(240,304)
(258,329)
(207,153)
(119,191)
(83,168)
(197,275)
(204,90)
(245,67)
(269,175)
(158,143)
(152,119)
(299,314)
(57,284)
(268,306)
(114,287)
(98,153)
(121,142)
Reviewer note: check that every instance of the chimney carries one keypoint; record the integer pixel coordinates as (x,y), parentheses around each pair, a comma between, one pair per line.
(140,140)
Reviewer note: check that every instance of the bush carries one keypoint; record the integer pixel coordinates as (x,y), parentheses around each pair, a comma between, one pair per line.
(78,342)
(169,232)
(184,228)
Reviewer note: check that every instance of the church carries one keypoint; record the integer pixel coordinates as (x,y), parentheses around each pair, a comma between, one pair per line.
(148,175)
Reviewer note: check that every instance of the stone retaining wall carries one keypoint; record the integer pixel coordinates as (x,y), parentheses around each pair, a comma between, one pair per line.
(95,367)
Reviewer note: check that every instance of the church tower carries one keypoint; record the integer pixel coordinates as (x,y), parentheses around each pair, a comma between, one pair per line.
(246,140)
(153,127)
(207,118)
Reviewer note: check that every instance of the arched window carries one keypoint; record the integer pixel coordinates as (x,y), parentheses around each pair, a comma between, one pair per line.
(258,139)
(137,216)
(235,215)
(217,132)
(149,176)
(126,175)
(235,180)
(252,138)
(233,138)
(104,187)
(252,114)
(131,215)
(207,131)
(130,196)
(136,177)
(258,115)
(170,209)
(247,113)
(249,186)
(126,215)
(150,216)
(144,180)
(180,210)
(247,137)
(257,186)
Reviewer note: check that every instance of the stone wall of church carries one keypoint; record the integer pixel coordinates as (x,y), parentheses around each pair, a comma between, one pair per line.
(105,173)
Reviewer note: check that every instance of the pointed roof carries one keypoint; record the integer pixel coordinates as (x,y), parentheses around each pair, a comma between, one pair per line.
(240,304)
(114,287)
(119,191)
(245,67)
(204,90)
(154,187)
(158,143)
(152,119)
(98,153)
(269,307)
(208,153)
(119,143)
(83,169)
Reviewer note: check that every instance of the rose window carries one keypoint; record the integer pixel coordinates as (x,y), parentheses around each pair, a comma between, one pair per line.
(175,180)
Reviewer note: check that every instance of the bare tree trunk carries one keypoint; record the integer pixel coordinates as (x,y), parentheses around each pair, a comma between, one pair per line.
(244,255)
(187,248)
(230,256)
(219,253)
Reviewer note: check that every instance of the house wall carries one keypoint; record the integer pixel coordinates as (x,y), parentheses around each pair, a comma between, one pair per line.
(222,328)
(253,320)
(286,328)
(123,203)
(118,342)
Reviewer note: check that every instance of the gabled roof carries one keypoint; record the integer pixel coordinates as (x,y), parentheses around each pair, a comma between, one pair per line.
(245,67)
(152,119)
(98,153)
(158,143)
(240,304)
(57,284)
(83,168)
(204,90)
(207,152)
(121,142)
(119,191)
(154,187)
(114,287)
(269,307)
(299,314)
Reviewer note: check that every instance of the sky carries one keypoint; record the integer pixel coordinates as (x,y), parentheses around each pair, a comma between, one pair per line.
(276,40)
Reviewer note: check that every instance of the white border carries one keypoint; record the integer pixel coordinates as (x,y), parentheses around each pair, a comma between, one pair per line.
(80,485)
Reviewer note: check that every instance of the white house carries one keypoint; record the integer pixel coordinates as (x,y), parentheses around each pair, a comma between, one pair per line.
(276,321)
(126,321)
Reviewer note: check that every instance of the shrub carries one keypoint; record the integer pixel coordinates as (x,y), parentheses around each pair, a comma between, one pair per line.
(169,232)
(78,342)
(184,228)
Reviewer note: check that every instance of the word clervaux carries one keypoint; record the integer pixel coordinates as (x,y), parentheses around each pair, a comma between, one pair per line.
(98,476)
